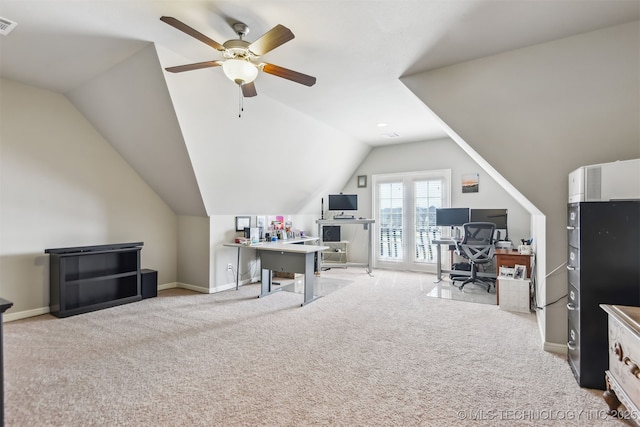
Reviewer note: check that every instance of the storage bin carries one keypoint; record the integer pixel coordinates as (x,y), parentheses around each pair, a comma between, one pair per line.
(514,294)
(148,283)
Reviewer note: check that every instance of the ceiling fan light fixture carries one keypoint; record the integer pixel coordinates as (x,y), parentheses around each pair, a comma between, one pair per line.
(240,71)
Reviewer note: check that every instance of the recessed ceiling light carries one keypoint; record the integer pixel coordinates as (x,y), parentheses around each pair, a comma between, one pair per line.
(382,124)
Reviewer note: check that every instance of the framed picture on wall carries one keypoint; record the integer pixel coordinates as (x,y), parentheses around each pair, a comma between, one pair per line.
(362,181)
(470,182)
(242,222)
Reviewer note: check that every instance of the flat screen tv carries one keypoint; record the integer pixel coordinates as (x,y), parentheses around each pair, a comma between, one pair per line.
(496,216)
(452,216)
(343,202)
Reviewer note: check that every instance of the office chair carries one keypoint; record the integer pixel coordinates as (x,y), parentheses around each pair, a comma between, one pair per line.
(476,246)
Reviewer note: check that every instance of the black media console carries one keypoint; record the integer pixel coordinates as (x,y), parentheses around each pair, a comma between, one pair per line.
(89,278)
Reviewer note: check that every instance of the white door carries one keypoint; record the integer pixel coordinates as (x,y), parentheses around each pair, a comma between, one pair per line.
(404,209)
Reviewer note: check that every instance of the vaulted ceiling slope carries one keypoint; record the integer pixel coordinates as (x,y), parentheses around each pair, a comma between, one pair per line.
(130,106)
(293,143)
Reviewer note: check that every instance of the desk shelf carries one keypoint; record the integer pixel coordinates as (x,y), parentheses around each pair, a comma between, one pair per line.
(336,255)
(367,225)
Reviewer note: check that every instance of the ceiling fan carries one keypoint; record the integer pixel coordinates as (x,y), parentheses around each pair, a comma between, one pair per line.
(240,64)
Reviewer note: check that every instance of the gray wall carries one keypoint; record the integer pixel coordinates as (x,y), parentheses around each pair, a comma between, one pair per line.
(433,155)
(536,114)
(63,185)
(193,252)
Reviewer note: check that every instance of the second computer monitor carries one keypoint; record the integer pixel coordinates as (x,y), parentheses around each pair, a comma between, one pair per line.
(496,216)
(452,216)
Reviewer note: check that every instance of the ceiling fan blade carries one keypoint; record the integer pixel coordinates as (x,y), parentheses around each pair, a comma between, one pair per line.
(249,90)
(189,67)
(285,73)
(273,38)
(193,33)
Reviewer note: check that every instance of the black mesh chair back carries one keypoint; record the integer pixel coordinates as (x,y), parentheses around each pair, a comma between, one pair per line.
(476,246)
(478,233)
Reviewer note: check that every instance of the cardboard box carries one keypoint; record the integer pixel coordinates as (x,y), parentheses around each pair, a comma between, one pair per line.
(284,275)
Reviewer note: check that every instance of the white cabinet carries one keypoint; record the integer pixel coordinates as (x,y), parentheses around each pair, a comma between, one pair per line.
(514,294)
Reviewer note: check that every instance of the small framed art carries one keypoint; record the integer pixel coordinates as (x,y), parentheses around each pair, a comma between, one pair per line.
(520,271)
(507,272)
(242,222)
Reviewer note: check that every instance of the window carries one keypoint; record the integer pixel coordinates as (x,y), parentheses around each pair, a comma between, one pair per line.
(404,208)
(390,215)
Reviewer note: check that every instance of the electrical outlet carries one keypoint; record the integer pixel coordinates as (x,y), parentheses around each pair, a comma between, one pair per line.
(229,267)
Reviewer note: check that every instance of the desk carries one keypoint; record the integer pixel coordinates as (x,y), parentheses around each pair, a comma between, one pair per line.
(367,224)
(284,255)
(509,258)
(301,240)
(439,270)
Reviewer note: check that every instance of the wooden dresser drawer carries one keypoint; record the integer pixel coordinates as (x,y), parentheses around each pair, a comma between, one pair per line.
(624,356)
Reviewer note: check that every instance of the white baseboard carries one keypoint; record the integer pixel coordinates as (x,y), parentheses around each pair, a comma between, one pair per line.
(220,288)
(193,288)
(551,347)
(232,285)
(556,348)
(10,317)
(168,286)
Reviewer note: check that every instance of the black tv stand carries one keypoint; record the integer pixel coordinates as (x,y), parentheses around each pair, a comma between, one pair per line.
(89,278)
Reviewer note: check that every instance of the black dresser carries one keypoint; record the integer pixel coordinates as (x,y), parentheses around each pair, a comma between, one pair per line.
(603,268)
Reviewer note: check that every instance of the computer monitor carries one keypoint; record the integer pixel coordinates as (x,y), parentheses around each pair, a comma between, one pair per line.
(343,202)
(496,216)
(452,216)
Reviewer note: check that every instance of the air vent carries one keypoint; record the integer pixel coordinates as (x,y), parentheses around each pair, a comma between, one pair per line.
(593,184)
(6,26)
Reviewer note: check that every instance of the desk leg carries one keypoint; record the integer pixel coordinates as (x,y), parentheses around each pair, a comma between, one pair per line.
(265,283)
(370,250)
(438,264)
(238,271)
(309,279)
(319,257)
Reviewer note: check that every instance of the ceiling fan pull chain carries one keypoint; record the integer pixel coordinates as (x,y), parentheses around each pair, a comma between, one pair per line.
(240,106)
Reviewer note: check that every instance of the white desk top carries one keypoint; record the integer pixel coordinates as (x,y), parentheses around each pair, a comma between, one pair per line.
(446,241)
(346,221)
(283,245)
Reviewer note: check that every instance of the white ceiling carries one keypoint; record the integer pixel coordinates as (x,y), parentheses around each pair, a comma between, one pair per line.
(357,50)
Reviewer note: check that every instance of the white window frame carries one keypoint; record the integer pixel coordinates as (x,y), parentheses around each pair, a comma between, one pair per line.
(407,179)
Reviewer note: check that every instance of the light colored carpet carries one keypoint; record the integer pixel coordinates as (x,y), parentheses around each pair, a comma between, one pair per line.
(378,351)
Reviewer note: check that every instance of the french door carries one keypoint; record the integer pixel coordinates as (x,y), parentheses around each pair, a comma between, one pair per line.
(405,213)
